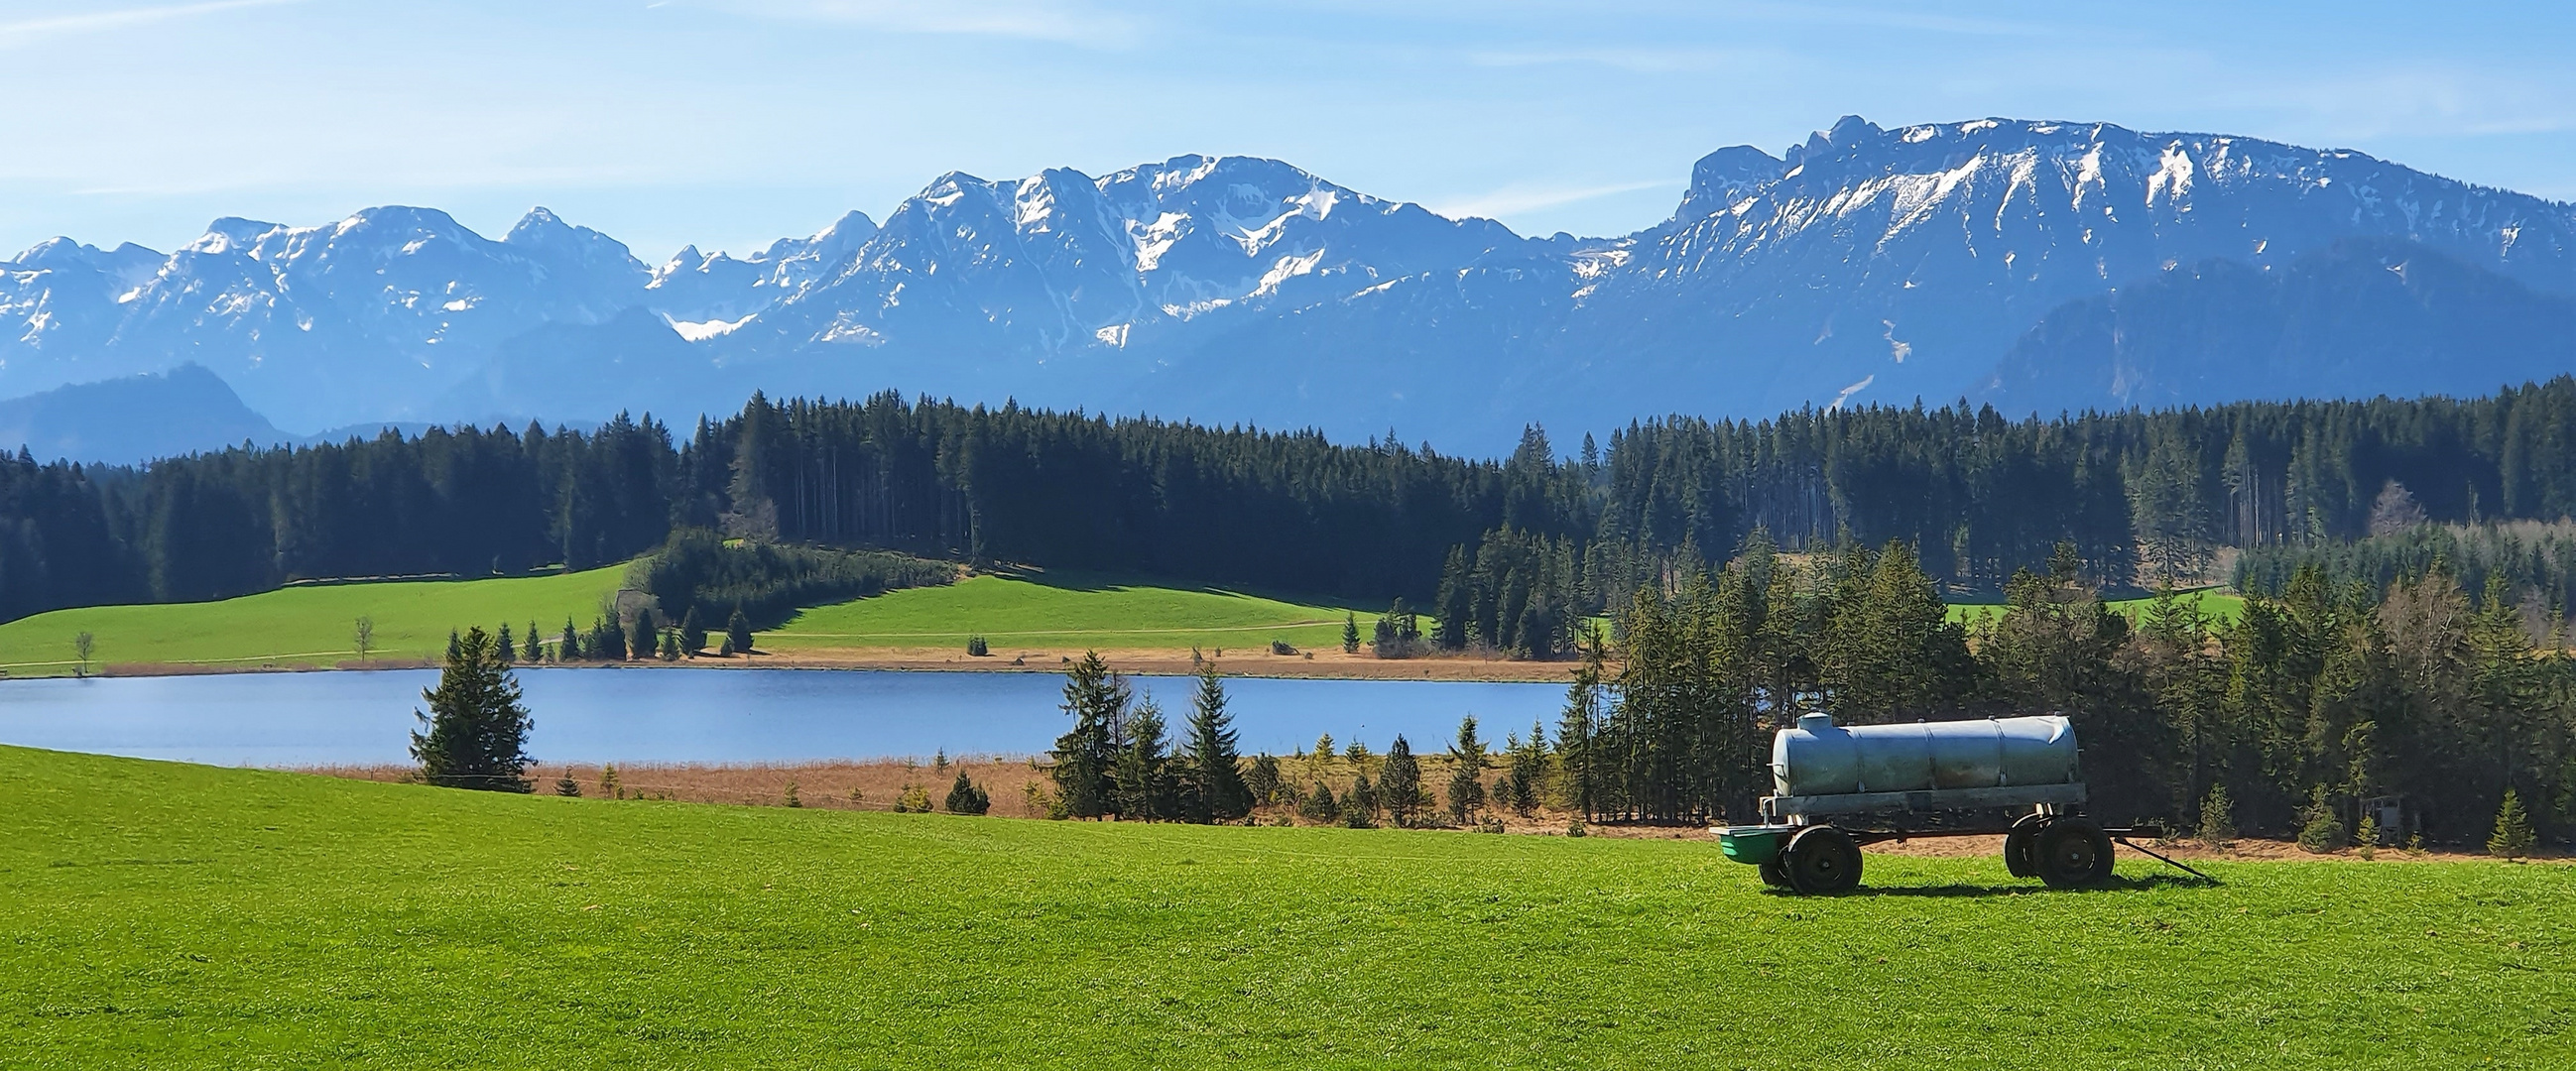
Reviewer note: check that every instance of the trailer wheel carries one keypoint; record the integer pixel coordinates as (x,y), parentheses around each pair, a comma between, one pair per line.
(2021,858)
(1821,860)
(1775,875)
(2073,852)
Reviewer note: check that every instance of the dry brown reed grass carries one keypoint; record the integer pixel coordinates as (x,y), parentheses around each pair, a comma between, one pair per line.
(873,785)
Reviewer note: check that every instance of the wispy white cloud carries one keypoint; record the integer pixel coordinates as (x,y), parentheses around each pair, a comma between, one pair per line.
(1035,20)
(1643,59)
(1512,200)
(27,31)
(1898,18)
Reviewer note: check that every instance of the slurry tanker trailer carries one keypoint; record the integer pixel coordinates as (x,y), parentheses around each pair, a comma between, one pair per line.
(1838,787)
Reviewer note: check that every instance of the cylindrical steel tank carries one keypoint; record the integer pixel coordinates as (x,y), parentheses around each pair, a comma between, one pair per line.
(1820,758)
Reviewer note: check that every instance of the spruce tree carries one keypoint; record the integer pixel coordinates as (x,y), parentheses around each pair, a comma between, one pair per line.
(2218,818)
(2321,831)
(454,645)
(738,629)
(536,649)
(1264,782)
(1097,700)
(1467,776)
(693,636)
(1359,809)
(965,797)
(2513,837)
(1576,728)
(1140,785)
(1319,805)
(1525,772)
(640,636)
(1400,783)
(568,649)
(1350,633)
(1216,788)
(477,726)
(507,647)
(670,646)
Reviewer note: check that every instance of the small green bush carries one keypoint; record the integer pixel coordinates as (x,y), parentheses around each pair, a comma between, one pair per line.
(915,800)
(1319,805)
(2513,837)
(2217,818)
(977,648)
(965,797)
(2323,830)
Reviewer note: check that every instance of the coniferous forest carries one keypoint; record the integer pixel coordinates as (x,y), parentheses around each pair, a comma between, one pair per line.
(2142,496)
(2407,579)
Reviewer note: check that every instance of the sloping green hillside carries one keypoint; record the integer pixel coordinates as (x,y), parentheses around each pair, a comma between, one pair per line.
(170,916)
(304,625)
(1063,610)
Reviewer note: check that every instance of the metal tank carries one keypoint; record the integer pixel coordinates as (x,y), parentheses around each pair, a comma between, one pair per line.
(1823,768)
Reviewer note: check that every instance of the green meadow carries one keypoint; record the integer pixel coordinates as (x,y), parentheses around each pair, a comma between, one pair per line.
(170,916)
(1051,610)
(1059,610)
(303,626)
(2215,605)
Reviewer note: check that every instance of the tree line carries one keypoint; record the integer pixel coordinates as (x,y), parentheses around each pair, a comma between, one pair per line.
(2319,701)
(1521,547)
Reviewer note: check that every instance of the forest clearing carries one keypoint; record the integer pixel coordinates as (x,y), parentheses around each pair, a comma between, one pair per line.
(1033,618)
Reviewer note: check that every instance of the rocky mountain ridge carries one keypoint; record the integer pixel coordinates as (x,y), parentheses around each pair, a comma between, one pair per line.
(1865,265)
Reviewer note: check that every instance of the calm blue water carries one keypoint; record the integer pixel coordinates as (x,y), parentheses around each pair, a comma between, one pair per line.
(711,715)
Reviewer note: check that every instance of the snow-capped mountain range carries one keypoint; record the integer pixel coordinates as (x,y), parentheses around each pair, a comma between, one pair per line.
(1865,265)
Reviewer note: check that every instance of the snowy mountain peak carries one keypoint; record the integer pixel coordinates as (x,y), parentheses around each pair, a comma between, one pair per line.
(542,232)
(538,225)
(231,234)
(1724,178)
(1864,264)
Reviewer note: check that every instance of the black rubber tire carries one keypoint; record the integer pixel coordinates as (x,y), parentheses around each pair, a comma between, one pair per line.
(2021,860)
(1775,875)
(1821,861)
(2073,853)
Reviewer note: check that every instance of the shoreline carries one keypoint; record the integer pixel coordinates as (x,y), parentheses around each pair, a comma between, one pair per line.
(1155,662)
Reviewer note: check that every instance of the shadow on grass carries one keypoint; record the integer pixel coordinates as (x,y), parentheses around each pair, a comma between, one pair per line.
(2117,884)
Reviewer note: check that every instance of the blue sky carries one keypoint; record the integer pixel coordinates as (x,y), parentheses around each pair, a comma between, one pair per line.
(727,123)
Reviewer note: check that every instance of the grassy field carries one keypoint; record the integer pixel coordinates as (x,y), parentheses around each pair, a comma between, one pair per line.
(2214,604)
(175,916)
(303,626)
(1058,610)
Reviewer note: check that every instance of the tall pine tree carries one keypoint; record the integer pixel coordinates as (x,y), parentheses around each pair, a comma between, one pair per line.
(477,726)
(1216,789)
(1097,700)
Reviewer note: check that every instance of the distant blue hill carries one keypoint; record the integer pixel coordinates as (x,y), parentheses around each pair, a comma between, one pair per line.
(185,410)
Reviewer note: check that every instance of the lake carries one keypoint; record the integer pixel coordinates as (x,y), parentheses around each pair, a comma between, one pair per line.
(714,715)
